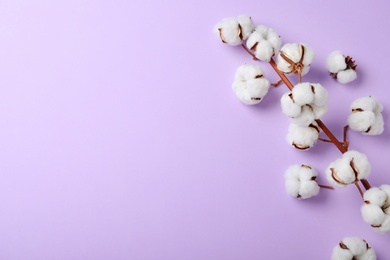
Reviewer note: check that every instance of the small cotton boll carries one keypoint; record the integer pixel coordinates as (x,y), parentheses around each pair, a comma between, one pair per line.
(250,86)
(361,121)
(300,181)
(320,95)
(375,196)
(346,76)
(264,51)
(289,107)
(359,163)
(228,31)
(303,93)
(233,31)
(336,62)
(372,214)
(339,173)
(264,41)
(306,117)
(246,24)
(302,137)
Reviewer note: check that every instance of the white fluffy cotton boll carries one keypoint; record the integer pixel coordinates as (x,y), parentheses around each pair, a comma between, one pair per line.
(346,76)
(303,137)
(341,67)
(306,117)
(295,58)
(359,163)
(335,62)
(289,107)
(349,168)
(233,31)
(353,248)
(249,85)
(303,93)
(300,181)
(366,116)
(376,208)
(265,42)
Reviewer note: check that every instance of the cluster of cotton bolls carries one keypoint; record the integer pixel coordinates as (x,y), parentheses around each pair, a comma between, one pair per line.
(250,86)
(353,248)
(366,116)
(300,181)
(305,103)
(351,167)
(376,208)
(295,58)
(341,67)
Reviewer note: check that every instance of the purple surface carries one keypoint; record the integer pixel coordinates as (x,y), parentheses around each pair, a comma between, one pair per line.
(121,137)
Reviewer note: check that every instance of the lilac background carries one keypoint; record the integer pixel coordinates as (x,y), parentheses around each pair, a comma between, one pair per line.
(121,137)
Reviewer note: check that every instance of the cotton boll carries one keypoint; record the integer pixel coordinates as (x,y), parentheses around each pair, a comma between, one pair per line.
(353,248)
(336,62)
(303,93)
(264,41)
(302,137)
(233,31)
(372,214)
(320,95)
(340,173)
(319,111)
(264,51)
(366,116)
(289,107)
(376,208)
(341,67)
(228,31)
(346,76)
(375,196)
(306,117)
(361,121)
(300,181)
(246,24)
(295,58)
(359,163)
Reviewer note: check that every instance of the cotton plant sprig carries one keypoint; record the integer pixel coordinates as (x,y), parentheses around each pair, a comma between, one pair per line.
(305,104)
